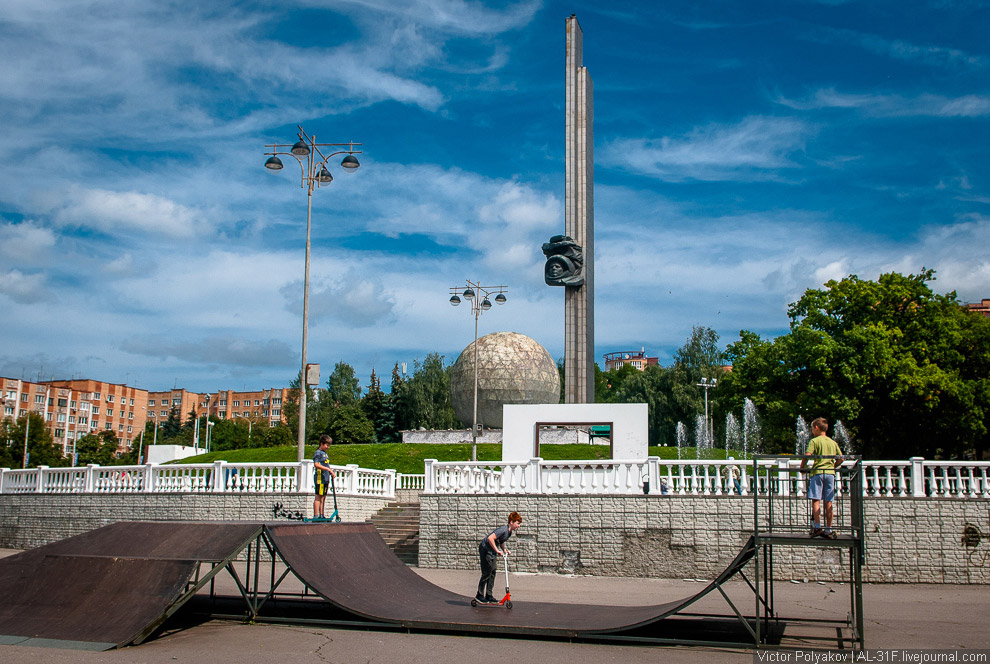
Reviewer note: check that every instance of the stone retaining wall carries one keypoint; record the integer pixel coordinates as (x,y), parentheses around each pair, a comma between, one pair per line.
(30,520)
(907,541)
(923,540)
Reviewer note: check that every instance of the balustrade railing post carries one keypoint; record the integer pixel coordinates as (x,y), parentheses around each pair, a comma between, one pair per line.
(304,480)
(917,477)
(653,472)
(40,485)
(390,483)
(89,479)
(534,476)
(148,485)
(429,478)
(3,479)
(352,479)
(219,484)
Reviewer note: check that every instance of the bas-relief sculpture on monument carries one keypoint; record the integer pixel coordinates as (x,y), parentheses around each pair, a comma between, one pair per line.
(565,262)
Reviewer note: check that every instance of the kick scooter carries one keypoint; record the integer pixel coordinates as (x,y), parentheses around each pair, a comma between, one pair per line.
(505,601)
(335,517)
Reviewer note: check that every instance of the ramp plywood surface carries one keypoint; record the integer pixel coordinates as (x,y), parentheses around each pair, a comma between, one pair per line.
(353,569)
(108,586)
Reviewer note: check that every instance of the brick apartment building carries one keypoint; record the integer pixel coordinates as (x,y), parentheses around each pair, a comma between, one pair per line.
(637,358)
(260,407)
(983,306)
(73,408)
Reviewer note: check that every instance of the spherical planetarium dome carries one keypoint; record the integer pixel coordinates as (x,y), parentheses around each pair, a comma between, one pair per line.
(512,368)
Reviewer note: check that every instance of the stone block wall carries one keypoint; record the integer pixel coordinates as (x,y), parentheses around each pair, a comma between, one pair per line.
(30,520)
(907,540)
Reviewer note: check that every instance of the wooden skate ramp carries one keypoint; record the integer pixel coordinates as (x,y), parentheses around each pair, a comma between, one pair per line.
(111,586)
(351,567)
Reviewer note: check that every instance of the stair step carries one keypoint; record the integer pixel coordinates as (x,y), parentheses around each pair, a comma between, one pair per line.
(398,525)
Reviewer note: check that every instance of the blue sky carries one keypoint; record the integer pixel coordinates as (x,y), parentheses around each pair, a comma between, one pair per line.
(744,153)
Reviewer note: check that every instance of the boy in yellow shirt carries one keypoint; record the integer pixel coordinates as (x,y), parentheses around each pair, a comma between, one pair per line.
(821,485)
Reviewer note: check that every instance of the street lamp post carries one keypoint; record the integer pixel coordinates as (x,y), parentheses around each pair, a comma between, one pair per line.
(248,419)
(313,166)
(478,296)
(707,385)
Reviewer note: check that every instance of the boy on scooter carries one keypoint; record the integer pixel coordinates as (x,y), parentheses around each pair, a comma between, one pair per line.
(321,476)
(490,548)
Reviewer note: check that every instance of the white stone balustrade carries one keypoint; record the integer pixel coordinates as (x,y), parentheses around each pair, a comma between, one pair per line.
(216,477)
(688,477)
(915,477)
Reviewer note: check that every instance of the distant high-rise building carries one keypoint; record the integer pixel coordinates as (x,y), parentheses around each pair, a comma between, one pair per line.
(73,408)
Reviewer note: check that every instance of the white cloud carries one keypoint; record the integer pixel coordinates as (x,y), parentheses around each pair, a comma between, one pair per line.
(753,149)
(113,211)
(455,16)
(26,242)
(890,105)
(928,54)
(221,350)
(462,209)
(354,300)
(24,288)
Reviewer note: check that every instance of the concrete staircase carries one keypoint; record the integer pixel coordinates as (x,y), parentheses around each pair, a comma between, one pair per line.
(398,524)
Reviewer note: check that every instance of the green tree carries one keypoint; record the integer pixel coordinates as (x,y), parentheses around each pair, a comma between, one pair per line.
(343,387)
(350,425)
(905,369)
(424,399)
(375,407)
(290,409)
(230,435)
(93,448)
(8,444)
(41,448)
(275,436)
(391,421)
(652,387)
(609,383)
(172,426)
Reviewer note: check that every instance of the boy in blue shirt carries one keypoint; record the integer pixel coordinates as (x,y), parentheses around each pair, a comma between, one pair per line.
(321,476)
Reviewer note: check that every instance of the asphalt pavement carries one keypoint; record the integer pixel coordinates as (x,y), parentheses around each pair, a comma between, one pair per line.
(898,616)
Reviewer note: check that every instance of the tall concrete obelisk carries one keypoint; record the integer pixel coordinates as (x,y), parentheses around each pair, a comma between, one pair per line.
(579,221)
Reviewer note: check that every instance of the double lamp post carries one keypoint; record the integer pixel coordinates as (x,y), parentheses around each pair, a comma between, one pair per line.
(480,298)
(313,166)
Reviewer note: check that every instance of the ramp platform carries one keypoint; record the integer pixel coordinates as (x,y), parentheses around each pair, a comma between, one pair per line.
(112,586)
(116,585)
(351,567)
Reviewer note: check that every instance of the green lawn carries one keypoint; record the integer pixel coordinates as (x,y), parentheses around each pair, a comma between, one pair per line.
(409,458)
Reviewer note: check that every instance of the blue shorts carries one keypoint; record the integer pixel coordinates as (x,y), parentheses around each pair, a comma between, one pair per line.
(822,487)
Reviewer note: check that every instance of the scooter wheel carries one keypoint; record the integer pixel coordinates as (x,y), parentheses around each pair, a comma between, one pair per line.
(508,604)
(474,602)
(337,519)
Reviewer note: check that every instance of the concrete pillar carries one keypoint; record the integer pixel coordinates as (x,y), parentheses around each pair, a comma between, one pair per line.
(579,221)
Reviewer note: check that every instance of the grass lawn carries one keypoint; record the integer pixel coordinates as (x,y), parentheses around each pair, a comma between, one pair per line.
(409,458)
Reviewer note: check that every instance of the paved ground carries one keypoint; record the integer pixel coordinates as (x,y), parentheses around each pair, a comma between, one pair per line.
(898,616)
